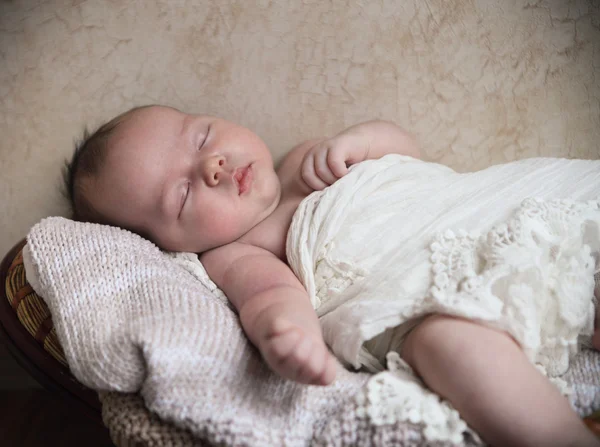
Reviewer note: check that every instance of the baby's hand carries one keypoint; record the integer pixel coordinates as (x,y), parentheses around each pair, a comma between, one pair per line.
(328,160)
(295,354)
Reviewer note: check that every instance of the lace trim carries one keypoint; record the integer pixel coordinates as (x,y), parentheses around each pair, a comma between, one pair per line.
(531,276)
(333,276)
(397,395)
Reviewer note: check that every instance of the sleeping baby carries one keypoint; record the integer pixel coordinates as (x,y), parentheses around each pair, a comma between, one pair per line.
(482,283)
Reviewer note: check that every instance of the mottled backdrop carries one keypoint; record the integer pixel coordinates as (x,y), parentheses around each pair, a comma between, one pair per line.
(478,82)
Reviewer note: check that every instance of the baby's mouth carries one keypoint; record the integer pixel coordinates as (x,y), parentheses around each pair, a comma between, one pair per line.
(243,179)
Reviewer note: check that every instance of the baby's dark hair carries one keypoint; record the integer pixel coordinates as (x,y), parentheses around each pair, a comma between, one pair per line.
(86,162)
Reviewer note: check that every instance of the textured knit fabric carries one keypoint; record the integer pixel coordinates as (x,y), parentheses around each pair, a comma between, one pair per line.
(131,425)
(136,320)
(131,319)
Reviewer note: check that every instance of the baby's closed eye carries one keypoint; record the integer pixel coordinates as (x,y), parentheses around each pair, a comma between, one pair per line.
(184,197)
(204,138)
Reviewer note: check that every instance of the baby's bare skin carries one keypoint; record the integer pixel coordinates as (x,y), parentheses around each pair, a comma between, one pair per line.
(274,307)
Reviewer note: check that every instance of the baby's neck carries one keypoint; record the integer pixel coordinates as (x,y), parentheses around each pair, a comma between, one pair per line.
(271,233)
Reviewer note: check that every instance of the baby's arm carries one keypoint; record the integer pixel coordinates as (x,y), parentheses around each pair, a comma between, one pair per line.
(377,138)
(329,158)
(275,311)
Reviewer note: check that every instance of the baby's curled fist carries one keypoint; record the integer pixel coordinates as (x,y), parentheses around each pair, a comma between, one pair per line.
(294,353)
(329,159)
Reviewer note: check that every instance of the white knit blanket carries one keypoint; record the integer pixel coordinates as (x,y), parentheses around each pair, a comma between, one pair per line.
(134,319)
(130,318)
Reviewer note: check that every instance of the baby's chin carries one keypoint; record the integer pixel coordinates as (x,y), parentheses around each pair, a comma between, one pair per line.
(199,247)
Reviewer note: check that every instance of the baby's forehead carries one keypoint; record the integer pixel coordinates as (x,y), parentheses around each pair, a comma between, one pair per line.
(126,193)
(142,156)
(153,115)
(156,125)
(136,160)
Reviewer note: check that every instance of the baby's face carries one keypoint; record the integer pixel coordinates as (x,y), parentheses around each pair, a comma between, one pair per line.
(190,183)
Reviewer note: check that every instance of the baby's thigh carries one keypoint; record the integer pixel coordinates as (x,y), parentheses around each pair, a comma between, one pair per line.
(446,343)
(489,380)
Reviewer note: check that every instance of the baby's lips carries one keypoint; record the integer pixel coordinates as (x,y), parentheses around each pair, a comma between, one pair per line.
(243,178)
(238,174)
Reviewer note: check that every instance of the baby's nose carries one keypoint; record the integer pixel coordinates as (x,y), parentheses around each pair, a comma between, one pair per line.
(214,170)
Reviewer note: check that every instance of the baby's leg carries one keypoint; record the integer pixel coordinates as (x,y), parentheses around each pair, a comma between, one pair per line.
(488,379)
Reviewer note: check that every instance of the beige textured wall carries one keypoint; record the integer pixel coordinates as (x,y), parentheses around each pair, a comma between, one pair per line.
(478,81)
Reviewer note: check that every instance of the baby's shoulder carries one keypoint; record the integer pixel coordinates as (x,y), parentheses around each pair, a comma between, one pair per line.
(218,260)
(288,170)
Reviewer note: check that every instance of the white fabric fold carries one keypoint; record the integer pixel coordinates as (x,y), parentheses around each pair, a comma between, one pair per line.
(512,246)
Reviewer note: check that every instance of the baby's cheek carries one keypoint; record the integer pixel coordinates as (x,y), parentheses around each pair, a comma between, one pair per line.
(225,229)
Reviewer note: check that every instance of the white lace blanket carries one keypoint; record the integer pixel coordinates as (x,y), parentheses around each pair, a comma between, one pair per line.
(399,238)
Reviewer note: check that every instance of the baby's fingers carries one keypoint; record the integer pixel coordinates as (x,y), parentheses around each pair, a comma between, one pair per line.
(319,369)
(336,160)
(303,363)
(329,370)
(281,346)
(322,167)
(289,355)
(309,174)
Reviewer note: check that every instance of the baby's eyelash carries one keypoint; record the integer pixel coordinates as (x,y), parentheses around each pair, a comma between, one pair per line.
(205,138)
(184,198)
